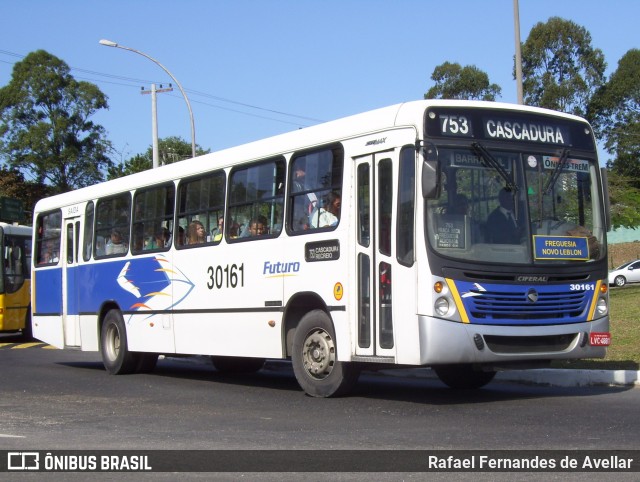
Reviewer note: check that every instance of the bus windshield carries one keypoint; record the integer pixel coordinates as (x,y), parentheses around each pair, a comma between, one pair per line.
(516,206)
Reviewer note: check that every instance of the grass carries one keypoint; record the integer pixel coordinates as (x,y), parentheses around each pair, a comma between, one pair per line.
(624,352)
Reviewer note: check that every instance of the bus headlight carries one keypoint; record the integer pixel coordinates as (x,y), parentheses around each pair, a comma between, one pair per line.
(602,308)
(441,306)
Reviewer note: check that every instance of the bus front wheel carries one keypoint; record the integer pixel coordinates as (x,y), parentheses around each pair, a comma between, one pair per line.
(463,376)
(314,358)
(116,357)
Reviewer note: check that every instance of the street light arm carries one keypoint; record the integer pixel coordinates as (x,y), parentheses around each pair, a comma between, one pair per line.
(109,43)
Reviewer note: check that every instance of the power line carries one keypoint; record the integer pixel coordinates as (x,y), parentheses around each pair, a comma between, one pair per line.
(195,92)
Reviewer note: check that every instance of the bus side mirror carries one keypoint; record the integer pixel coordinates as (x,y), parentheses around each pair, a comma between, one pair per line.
(430,172)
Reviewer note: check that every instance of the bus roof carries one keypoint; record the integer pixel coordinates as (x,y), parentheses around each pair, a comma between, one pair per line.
(15,229)
(395,116)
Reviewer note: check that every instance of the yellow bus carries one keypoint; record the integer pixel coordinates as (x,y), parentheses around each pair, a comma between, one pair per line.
(15,282)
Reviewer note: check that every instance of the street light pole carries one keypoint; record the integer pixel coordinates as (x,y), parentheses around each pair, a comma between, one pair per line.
(516,21)
(109,43)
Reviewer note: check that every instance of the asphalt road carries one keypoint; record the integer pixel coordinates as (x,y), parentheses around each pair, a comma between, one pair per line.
(65,400)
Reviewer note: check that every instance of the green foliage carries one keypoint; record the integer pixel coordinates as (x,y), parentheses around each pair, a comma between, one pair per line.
(170,149)
(45,127)
(456,82)
(616,116)
(560,68)
(624,199)
(13,185)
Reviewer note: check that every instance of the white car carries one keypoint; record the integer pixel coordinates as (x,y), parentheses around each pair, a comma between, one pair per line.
(627,273)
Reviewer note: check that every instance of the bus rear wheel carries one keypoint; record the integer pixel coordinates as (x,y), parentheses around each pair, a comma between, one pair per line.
(463,376)
(116,357)
(314,358)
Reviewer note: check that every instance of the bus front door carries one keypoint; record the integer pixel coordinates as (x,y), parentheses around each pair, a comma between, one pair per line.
(374,200)
(70,286)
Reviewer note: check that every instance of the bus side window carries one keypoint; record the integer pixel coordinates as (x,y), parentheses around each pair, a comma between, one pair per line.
(49,230)
(113,217)
(153,218)
(256,201)
(200,207)
(88,232)
(315,180)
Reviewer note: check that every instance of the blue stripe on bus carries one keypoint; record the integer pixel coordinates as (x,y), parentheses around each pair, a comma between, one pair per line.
(138,284)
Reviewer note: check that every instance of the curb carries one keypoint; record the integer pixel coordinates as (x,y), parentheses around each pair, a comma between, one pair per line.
(556,377)
(562,377)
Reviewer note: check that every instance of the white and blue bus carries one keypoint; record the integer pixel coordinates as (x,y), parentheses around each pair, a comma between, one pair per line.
(373,240)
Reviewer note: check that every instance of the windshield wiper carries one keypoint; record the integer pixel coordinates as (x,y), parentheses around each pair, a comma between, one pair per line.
(562,162)
(489,161)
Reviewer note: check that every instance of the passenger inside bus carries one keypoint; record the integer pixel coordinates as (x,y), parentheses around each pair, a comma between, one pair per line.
(196,233)
(159,240)
(180,241)
(257,227)
(216,234)
(116,244)
(329,214)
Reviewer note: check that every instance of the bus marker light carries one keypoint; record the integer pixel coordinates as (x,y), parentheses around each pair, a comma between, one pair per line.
(600,339)
(438,287)
(272,323)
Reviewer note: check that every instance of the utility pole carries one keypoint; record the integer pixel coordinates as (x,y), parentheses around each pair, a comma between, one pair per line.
(516,21)
(154,120)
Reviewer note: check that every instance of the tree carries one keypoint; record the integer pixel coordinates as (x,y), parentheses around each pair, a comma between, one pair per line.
(615,110)
(45,127)
(170,149)
(624,200)
(13,185)
(560,68)
(456,82)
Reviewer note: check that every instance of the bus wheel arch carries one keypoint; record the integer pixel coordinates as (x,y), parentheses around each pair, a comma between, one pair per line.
(315,360)
(298,306)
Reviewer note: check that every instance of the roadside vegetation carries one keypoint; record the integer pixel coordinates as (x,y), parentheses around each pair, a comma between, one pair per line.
(624,352)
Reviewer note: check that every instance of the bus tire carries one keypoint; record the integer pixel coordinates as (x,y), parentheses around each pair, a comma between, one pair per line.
(314,358)
(232,364)
(116,357)
(463,376)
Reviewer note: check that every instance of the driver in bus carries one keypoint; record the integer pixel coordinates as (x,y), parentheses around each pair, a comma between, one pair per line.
(502,227)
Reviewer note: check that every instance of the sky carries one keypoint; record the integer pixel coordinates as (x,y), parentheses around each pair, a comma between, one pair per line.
(256,68)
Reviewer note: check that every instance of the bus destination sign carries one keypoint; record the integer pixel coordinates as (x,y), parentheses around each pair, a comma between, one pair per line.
(483,124)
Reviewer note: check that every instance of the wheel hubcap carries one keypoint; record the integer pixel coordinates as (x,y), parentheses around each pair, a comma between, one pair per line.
(113,342)
(319,354)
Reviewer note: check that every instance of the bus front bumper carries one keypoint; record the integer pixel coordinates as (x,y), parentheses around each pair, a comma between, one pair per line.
(447,342)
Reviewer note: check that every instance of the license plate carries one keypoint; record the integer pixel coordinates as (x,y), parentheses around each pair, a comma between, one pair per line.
(600,339)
